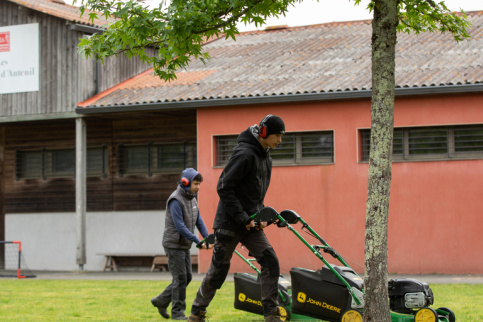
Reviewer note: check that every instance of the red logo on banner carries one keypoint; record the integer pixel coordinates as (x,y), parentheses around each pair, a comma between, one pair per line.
(5,41)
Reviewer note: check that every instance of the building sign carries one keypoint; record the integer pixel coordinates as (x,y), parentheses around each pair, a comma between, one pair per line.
(5,41)
(19,58)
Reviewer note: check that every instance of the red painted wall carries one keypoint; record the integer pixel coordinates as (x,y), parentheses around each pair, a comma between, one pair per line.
(435,207)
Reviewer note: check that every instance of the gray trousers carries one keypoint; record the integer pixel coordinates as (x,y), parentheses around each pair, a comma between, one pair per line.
(259,247)
(179,264)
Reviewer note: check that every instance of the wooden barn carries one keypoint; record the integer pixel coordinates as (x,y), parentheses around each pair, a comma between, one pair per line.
(39,129)
(137,133)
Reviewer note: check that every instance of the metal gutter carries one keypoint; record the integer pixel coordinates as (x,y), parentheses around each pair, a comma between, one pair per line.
(282,98)
(86,29)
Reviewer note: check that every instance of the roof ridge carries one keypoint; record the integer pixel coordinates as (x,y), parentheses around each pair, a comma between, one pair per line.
(282,28)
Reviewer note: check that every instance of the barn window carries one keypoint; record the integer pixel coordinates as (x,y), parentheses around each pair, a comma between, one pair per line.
(156,158)
(97,161)
(47,163)
(432,143)
(224,146)
(29,164)
(296,148)
(60,163)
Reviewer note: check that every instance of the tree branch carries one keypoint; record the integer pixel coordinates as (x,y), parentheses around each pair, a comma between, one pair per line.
(230,20)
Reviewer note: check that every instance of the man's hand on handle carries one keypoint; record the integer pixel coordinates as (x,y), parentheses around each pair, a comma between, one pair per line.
(256,225)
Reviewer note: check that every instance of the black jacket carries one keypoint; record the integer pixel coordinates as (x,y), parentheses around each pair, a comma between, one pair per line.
(243,183)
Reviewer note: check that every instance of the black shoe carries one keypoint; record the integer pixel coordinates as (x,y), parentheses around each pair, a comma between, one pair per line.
(161,310)
(182,317)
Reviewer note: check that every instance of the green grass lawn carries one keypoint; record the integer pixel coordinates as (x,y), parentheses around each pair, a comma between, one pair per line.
(65,300)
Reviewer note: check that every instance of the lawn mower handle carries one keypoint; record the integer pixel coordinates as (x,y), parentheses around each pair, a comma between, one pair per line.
(266,214)
(287,217)
(248,262)
(210,239)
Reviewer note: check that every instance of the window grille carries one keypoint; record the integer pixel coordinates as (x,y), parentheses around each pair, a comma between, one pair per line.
(468,139)
(97,161)
(224,145)
(46,163)
(156,158)
(29,164)
(295,149)
(427,140)
(432,143)
(60,163)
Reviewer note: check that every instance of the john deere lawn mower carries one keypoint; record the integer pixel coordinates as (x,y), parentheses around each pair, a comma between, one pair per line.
(335,292)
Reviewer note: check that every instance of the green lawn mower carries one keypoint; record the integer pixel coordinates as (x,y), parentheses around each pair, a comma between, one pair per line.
(336,292)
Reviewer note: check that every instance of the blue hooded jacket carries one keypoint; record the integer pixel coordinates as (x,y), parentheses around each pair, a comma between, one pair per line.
(190,174)
(177,211)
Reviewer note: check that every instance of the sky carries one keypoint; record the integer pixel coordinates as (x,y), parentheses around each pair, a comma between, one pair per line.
(310,12)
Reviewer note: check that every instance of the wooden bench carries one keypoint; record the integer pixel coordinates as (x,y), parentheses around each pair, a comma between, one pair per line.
(114,260)
(161,262)
(130,259)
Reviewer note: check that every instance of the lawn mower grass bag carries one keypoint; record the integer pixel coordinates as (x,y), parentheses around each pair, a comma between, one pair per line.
(320,294)
(248,294)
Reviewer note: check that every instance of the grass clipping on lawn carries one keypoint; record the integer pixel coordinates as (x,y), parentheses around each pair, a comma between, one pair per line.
(48,300)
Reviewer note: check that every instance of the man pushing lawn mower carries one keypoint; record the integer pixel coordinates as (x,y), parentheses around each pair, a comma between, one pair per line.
(242,187)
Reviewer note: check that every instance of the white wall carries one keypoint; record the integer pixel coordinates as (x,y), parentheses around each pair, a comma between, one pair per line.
(49,240)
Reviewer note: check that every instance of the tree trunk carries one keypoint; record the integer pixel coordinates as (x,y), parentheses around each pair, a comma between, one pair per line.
(380,160)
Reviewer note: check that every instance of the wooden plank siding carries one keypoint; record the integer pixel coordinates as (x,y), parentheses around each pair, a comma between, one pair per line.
(2,189)
(66,78)
(136,192)
(113,192)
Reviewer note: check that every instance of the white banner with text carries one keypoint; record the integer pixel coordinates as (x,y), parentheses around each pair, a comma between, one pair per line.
(19,58)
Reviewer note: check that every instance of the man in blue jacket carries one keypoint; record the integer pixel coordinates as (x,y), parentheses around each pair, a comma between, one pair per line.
(242,187)
(182,217)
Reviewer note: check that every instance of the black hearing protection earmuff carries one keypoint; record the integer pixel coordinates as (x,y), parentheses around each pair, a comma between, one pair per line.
(185,182)
(263,129)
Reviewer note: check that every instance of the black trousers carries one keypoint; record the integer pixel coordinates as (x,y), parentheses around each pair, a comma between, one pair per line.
(179,264)
(259,247)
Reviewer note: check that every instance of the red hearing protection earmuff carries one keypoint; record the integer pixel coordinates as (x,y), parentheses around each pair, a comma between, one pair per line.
(263,129)
(185,182)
